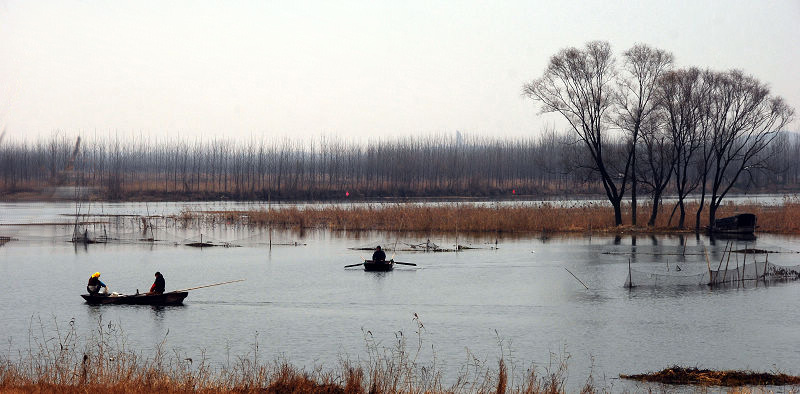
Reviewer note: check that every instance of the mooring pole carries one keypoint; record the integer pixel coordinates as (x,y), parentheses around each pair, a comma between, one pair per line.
(630,278)
(708,263)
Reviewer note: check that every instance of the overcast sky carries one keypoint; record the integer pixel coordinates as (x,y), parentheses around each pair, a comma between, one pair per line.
(340,68)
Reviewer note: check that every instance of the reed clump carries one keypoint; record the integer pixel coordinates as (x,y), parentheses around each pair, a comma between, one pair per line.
(707,377)
(578,217)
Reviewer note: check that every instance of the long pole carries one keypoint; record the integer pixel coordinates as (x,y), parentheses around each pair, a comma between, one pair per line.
(214,284)
(708,263)
(724,274)
(744,261)
(630,278)
(573,275)
(716,276)
(269,218)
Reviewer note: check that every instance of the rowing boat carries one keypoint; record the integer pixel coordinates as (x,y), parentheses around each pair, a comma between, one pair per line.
(171,298)
(370,265)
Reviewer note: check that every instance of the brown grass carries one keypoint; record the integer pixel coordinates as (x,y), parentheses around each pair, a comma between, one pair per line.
(547,217)
(103,363)
(65,363)
(707,377)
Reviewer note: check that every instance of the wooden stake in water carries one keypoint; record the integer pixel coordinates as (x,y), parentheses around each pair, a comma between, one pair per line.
(269,216)
(630,280)
(726,265)
(457,207)
(708,263)
(720,260)
(744,262)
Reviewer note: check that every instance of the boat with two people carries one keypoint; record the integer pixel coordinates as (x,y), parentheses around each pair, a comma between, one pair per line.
(175,297)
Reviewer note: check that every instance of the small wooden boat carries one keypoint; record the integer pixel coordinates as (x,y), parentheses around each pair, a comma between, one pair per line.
(171,298)
(378,266)
(744,223)
(370,265)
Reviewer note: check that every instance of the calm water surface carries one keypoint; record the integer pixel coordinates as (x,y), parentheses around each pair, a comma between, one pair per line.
(298,302)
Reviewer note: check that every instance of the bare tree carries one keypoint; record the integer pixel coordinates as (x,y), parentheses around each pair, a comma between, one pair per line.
(578,84)
(681,94)
(635,98)
(659,155)
(743,119)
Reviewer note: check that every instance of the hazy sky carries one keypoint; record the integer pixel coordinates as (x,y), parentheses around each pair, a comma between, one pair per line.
(340,68)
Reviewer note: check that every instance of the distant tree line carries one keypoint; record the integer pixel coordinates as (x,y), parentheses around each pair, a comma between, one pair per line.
(290,169)
(551,164)
(643,123)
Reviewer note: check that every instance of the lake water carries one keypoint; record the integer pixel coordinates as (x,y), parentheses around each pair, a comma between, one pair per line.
(298,302)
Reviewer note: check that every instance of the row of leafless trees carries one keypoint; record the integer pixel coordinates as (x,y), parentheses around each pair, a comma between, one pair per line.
(552,164)
(291,169)
(644,123)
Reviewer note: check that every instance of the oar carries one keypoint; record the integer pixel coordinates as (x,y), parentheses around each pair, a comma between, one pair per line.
(397,262)
(355,265)
(214,284)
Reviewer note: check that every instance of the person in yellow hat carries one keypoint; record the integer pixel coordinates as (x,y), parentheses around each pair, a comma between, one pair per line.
(95,284)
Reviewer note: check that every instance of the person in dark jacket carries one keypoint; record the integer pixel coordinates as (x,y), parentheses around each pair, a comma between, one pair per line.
(159,285)
(378,256)
(95,284)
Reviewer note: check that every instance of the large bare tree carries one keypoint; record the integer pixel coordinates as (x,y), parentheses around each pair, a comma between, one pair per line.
(636,101)
(743,119)
(681,94)
(659,157)
(579,85)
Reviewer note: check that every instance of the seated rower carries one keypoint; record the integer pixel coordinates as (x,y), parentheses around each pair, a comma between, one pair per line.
(379,256)
(159,285)
(95,284)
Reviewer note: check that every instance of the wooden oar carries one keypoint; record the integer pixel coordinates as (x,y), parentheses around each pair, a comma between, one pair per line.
(397,262)
(214,284)
(352,265)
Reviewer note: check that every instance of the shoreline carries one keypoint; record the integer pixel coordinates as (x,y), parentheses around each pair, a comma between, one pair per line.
(774,216)
(543,218)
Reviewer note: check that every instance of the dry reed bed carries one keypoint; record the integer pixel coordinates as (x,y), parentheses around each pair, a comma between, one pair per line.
(103,362)
(579,217)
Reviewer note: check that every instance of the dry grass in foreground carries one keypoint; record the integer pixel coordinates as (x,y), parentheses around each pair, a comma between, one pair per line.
(706,377)
(103,362)
(66,363)
(546,217)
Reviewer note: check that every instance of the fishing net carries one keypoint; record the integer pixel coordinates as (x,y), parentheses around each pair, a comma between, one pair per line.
(696,277)
(401,245)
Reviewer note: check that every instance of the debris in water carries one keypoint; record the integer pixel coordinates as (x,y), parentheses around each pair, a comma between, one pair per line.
(754,251)
(707,377)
